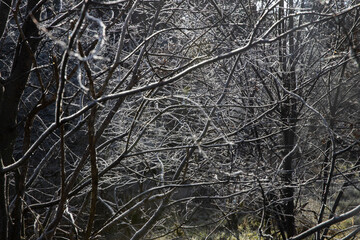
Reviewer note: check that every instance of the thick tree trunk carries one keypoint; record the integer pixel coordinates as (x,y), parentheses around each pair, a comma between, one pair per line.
(288,191)
(12,91)
(288,117)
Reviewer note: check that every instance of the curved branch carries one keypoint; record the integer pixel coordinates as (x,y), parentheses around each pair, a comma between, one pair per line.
(327,223)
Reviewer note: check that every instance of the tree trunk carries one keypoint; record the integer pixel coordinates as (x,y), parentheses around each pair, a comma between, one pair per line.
(288,117)
(13,89)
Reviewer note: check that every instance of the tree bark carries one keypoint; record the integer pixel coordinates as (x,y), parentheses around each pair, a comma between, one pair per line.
(288,116)
(12,90)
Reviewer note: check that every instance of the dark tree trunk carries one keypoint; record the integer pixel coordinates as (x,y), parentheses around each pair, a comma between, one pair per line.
(12,91)
(288,117)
